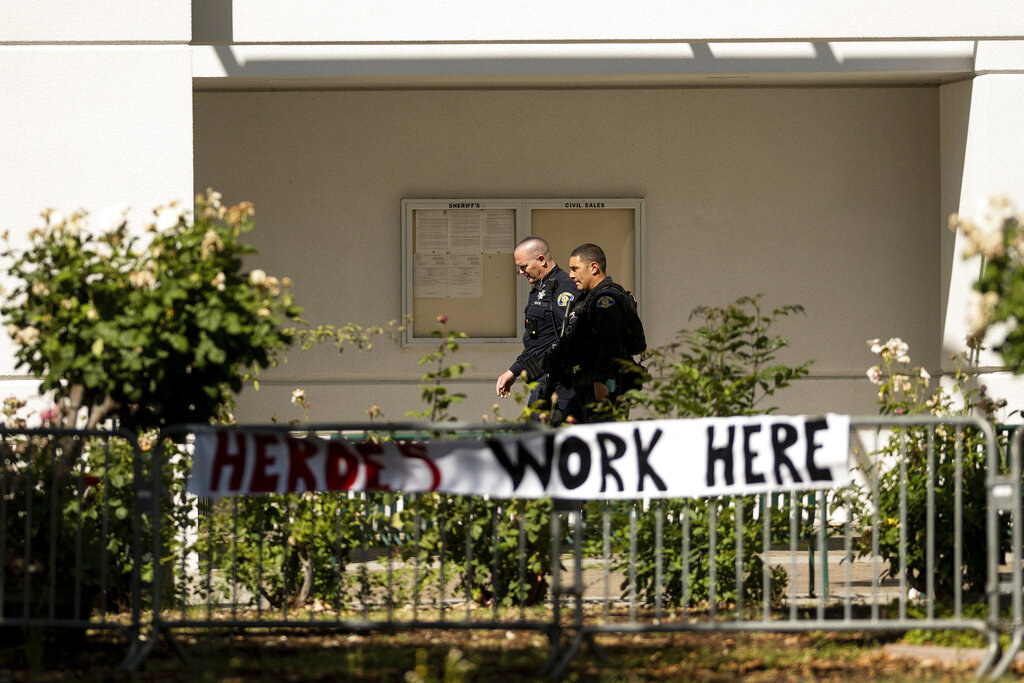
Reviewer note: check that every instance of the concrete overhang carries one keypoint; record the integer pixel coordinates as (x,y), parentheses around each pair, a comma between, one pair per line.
(583,65)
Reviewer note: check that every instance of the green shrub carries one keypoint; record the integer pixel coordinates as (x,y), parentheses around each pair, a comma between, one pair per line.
(725,366)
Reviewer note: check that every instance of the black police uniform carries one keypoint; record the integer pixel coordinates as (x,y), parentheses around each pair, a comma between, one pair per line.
(545,311)
(593,342)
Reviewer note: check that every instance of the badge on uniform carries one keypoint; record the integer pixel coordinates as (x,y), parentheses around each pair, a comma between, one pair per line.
(605,302)
(564,298)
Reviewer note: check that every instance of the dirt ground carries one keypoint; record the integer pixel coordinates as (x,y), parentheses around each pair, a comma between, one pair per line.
(460,655)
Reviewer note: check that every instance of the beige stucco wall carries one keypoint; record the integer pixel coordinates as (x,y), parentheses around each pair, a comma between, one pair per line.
(827,198)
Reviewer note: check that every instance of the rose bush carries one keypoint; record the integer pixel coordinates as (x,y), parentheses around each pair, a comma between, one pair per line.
(152,329)
(997,304)
(943,457)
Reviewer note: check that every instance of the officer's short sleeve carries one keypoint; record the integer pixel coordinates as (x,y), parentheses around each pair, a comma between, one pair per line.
(565,294)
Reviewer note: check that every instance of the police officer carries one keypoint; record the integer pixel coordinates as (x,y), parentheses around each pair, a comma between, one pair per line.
(601,334)
(550,296)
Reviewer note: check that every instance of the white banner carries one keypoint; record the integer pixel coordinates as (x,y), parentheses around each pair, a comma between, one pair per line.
(614,460)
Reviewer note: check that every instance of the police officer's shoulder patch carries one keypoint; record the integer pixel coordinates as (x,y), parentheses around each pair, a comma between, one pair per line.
(564,298)
(605,302)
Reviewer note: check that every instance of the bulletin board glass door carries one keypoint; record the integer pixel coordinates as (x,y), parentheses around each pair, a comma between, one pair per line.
(463,270)
(458,263)
(612,229)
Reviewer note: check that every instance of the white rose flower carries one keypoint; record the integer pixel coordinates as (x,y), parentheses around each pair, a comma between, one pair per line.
(901,382)
(167,217)
(74,226)
(218,281)
(211,243)
(273,285)
(875,374)
(924,375)
(979,308)
(54,219)
(298,396)
(27,336)
(142,279)
(991,245)
(897,348)
(111,218)
(257,277)
(999,210)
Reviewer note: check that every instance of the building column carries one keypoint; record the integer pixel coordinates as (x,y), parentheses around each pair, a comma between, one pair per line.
(982,157)
(96,109)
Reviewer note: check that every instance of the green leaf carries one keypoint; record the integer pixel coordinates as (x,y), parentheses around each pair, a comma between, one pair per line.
(178,342)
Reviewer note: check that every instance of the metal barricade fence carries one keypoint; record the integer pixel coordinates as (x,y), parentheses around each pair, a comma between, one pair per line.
(70,533)
(1005,498)
(356,562)
(918,543)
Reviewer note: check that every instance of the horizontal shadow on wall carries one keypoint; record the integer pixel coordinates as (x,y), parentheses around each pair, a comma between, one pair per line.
(682,59)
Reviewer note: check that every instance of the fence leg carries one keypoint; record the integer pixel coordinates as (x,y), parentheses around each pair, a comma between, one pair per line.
(1007,657)
(992,654)
(141,649)
(138,650)
(555,631)
(810,543)
(823,536)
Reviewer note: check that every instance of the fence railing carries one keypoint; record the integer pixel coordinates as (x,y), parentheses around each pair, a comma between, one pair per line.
(70,532)
(96,531)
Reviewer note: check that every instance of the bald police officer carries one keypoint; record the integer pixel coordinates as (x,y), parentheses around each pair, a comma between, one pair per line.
(551,293)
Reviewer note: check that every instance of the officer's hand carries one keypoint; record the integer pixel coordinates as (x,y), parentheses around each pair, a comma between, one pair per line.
(600,391)
(505,383)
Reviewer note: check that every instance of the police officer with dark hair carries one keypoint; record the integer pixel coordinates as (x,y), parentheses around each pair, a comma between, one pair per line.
(601,335)
(550,296)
